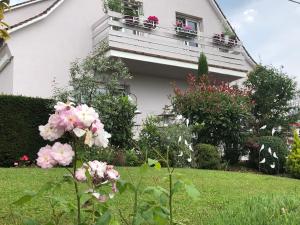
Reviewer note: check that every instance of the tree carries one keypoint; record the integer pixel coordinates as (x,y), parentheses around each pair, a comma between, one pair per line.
(202,65)
(271,92)
(220,114)
(97,81)
(4,4)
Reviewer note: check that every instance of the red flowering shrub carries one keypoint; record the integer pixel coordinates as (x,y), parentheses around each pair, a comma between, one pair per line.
(223,112)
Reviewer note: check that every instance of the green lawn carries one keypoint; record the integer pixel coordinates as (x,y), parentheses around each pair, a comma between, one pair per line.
(226,197)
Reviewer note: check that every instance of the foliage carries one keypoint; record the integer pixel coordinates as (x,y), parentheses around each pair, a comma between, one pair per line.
(97,81)
(202,65)
(220,112)
(19,129)
(117,113)
(100,154)
(207,157)
(263,149)
(156,137)
(293,161)
(131,158)
(113,5)
(271,91)
(4,4)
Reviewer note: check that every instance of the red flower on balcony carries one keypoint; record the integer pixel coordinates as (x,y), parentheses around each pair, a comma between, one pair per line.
(153,19)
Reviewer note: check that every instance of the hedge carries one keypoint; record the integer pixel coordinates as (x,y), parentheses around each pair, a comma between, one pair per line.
(19,120)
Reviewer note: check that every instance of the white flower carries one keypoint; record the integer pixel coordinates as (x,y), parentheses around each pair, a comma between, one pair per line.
(273,131)
(181,154)
(60,106)
(263,161)
(101,139)
(179,139)
(263,127)
(79,132)
(50,133)
(189,159)
(96,168)
(274,155)
(187,122)
(262,147)
(186,143)
(269,150)
(190,147)
(86,115)
(272,165)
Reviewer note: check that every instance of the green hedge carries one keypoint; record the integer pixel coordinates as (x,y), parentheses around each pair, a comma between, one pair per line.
(19,120)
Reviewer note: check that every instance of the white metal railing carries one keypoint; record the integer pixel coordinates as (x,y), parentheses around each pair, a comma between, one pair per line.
(165,42)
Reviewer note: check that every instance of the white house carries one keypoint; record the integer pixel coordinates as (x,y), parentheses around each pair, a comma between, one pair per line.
(47,35)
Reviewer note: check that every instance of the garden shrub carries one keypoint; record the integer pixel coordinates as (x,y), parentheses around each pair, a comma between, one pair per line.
(223,110)
(293,161)
(276,145)
(131,158)
(158,138)
(19,120)
(207,157)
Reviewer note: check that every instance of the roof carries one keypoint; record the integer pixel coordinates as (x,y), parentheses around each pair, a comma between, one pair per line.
(34,18)
(228,23)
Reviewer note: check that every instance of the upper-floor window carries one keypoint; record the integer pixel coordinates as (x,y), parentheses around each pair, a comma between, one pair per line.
(193,24)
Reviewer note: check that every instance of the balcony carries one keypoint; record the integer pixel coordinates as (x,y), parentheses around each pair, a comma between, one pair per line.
(167,47)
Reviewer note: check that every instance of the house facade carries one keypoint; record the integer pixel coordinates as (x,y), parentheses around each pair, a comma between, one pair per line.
(47,35)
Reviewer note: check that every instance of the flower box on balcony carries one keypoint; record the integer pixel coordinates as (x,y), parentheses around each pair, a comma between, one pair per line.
(131,20)
(185,31)
(151,22)
(224,40)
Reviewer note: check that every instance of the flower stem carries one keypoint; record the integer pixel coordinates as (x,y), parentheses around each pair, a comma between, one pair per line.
(170,198)
(76,186)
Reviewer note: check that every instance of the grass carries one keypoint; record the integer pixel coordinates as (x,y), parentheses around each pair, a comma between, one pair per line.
(226,197)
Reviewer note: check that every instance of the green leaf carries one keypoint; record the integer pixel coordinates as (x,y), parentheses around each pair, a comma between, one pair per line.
(104,219)
(155,163)
(26,198)
(144,168)
(192,191)
(177,186)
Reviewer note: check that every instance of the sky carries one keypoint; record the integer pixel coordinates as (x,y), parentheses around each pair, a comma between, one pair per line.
(269,29)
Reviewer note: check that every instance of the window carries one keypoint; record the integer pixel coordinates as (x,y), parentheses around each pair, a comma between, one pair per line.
(187,22)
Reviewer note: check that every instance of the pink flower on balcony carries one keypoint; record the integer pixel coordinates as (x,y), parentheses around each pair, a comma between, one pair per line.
(187,27)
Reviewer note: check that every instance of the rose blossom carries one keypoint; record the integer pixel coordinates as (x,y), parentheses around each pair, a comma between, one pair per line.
(45,159)
(112,173)
(101,138)
(62,153)
(68,119)
(86,115)
(80,174)
(60,106)
(50,133)
(96,168)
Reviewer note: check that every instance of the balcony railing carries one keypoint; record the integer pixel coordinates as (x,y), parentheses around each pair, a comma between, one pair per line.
(165,43)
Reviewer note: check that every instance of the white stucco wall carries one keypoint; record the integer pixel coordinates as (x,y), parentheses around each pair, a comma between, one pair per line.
(152,94)
(166,10)
(43,51)
(6,79)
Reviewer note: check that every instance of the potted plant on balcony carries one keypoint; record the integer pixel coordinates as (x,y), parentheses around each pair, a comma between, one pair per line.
(131,17)
(151,22)
(227,38)
(184,30)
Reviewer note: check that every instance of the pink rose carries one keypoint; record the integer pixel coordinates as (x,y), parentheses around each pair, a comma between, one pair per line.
(62,153)
(45,159)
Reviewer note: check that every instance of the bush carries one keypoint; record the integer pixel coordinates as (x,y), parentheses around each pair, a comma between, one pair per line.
(100,154)
(223,110)
(117,113)
(157,138)
(19,120)
(207,157)
(276,145)
(293,161)
(131,158)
